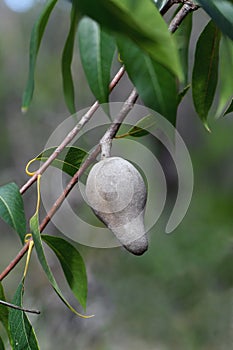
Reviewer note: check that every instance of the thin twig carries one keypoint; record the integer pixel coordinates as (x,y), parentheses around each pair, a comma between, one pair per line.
(86,117)
(13,306)
(188,7)
(106,141)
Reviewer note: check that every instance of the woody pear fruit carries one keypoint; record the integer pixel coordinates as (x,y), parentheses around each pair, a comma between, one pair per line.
(117,194)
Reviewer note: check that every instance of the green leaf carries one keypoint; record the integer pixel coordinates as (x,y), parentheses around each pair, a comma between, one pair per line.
(97,48)
(72,265)
(183,92)
(182,37)
(34,225)
(2,347)
(142,127)
(141,22)
(12,209)
(69,160)
(4,313)
(230,108)
(205,71)
(156,85)
(67,56)
(3,309)
(222,14)
(22,333)
(36,36)
(225,79)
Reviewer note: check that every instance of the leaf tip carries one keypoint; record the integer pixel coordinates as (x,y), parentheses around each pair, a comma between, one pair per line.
(24,109)
(81,315)
(207,127)
(88,316)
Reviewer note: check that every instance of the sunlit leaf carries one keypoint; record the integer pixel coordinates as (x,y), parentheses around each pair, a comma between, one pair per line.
(225,77)
(156,86)
(67,56)
(22,333)
(36,36)
(141,22)
(143,126)
(72,265)
(34,225)
(205,71)
(222,14)
(69,160)
(12,209)
(96,50)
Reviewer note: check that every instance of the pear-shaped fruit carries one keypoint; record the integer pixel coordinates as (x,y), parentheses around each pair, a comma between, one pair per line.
(117,194)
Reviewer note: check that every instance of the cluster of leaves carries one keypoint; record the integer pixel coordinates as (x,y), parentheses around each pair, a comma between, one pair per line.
(157,63)
(16,323)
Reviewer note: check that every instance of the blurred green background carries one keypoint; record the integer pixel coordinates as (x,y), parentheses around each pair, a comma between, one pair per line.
(179,295)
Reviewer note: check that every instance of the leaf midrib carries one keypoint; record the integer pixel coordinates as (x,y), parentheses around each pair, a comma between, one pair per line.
(8,209)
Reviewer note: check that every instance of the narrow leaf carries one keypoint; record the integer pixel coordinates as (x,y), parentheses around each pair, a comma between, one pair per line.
(96,50)
(143,126)
(183,92)
(34,225)
(69,160)
(141,22)
(182,37)
(22,333)
(156,85)
(2,347)
(12,209)
(36,36)
(205,71)
(225,77)
(3,309)
(4,313)
(72,265)
(222,14)
(230,108)
(67,56)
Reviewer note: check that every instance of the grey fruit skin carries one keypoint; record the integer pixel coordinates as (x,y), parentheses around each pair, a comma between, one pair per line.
(117,194)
